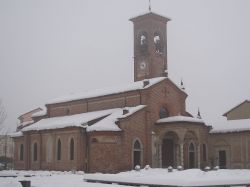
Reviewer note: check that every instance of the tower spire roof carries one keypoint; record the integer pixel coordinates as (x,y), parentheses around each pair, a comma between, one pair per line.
(199,114)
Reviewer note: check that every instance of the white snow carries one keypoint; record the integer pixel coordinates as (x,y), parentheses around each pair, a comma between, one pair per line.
(108,123)
(47,179)
(40,113)
(81,120)
(26,123)
(191,177)
(16,134)
(224,126)
(112,90)
(179,119)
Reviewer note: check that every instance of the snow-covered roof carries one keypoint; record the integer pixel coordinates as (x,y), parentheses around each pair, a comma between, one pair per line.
(109,123)
(40,113)
(26,123)
(109,116)
(108,91)
(16,134)
(225,126)
(179,119)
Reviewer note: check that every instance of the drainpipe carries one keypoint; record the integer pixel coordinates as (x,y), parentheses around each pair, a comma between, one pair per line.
(86,161)
(41,144)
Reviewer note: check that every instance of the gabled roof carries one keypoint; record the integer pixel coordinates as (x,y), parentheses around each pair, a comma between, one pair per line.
(246,101)
(105,120)
(150,15)
(110,91)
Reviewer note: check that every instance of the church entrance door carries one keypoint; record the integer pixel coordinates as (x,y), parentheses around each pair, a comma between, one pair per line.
(222,159)
(137,158)
(167,153)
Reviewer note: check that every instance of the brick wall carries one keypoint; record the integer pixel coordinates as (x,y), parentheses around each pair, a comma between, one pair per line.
(236,145)
(41,139)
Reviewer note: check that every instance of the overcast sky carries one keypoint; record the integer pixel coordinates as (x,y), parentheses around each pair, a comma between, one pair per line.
(49,48)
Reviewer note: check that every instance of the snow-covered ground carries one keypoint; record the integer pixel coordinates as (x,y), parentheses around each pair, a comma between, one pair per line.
(192,177)
(47,179)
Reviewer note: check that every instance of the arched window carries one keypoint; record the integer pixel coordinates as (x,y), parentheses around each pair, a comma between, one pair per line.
(137,153)
(72,149)
(143,41)
(21,152)
(204,152)
(191,150)
(59,149)
(164,113)
(35,152)
(49,150)
(67,111)
(158,42)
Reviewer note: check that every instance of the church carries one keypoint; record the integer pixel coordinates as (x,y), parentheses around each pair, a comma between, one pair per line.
(142,123)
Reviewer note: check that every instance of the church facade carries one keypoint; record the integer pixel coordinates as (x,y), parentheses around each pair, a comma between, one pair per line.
(143,123)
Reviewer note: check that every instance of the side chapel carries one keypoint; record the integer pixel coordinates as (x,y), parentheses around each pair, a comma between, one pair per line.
(112,130)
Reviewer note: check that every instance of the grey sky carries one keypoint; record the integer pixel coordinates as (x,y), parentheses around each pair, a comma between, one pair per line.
(50,48)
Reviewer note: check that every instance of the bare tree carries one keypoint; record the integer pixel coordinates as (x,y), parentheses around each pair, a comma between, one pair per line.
(3,113)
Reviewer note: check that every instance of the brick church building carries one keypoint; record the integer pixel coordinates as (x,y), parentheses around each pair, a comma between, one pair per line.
(142,123)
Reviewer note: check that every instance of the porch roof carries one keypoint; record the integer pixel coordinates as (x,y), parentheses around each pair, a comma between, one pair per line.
(180,119)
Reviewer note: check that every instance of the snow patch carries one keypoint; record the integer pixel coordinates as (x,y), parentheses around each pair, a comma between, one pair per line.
(108,91)
(225,126)
(179,119)
(109,116)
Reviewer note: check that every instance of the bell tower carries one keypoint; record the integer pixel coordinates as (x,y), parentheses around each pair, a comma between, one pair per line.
(150,46)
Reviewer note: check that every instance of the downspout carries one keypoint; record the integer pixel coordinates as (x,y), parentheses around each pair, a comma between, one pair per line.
(28,152)
(140,97)
(86,161)
(40,160)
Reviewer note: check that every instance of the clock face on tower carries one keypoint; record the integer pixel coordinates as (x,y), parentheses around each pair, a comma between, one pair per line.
(142,65)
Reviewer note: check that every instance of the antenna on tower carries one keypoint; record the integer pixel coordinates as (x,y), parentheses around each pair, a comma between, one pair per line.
(149,5)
